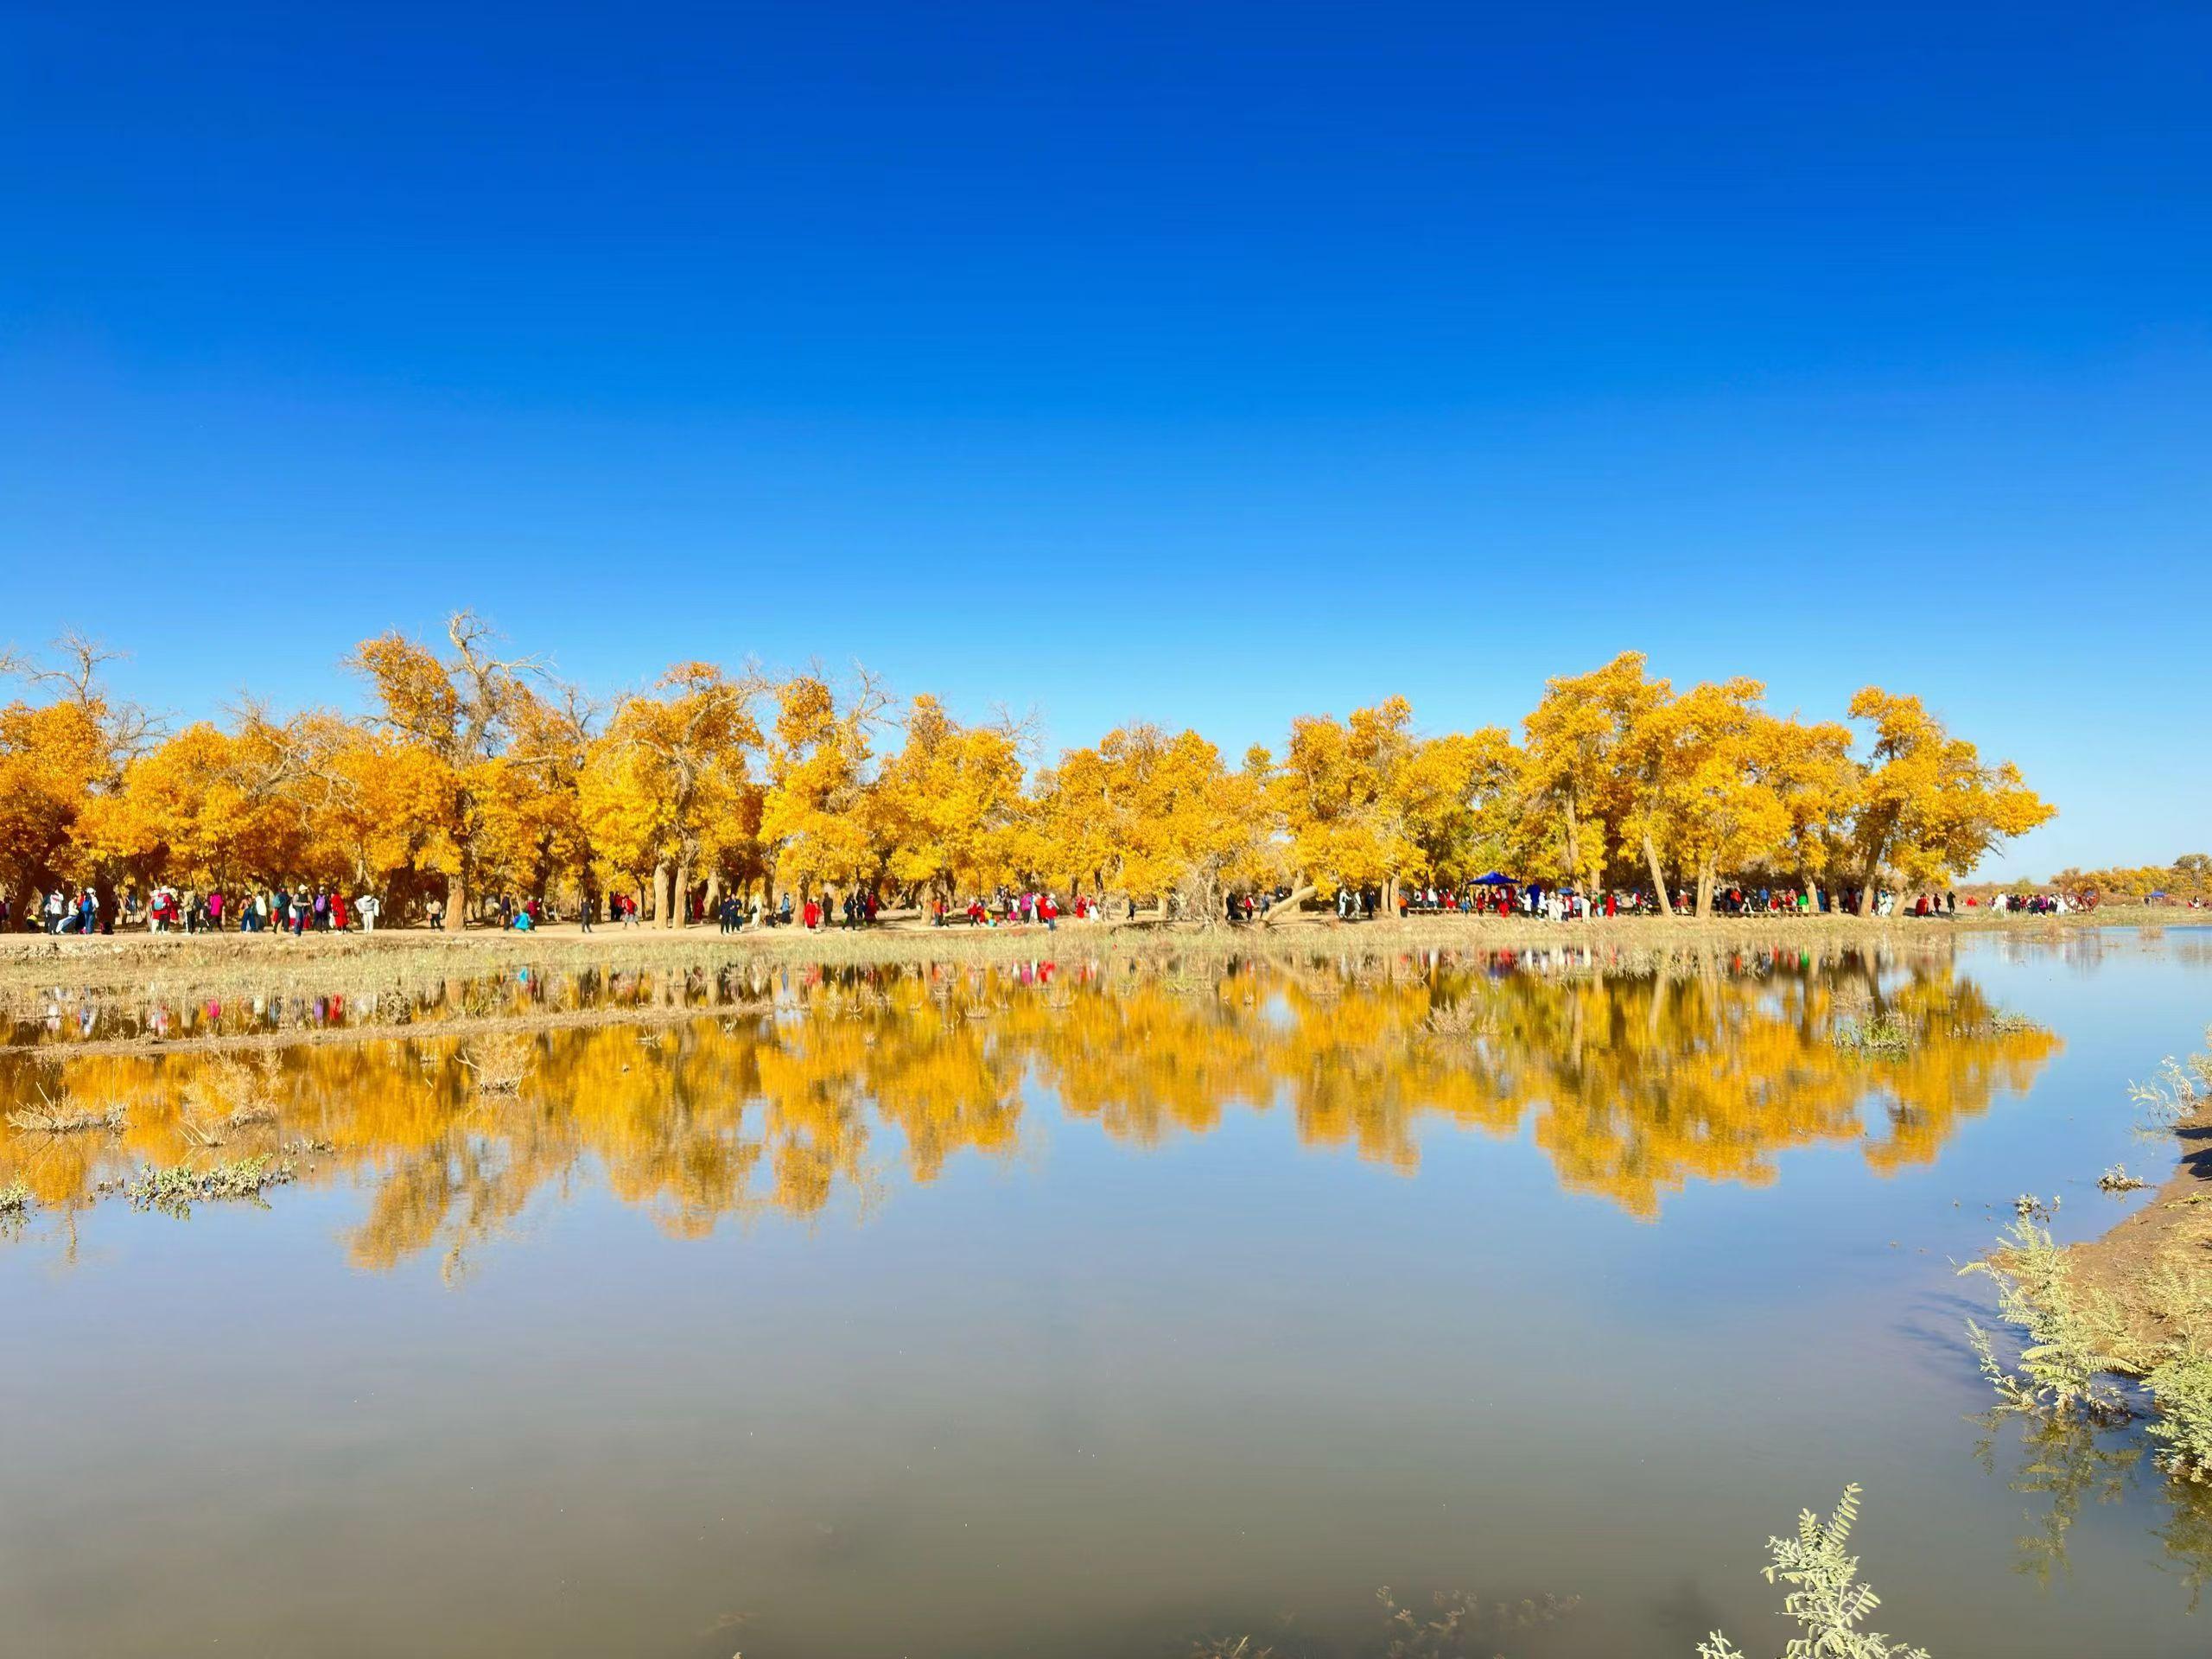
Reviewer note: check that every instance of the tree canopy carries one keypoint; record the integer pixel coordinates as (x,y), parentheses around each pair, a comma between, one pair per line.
(474,769)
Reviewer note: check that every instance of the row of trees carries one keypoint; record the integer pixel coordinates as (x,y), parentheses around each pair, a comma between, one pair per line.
(2188,877)
(476,770)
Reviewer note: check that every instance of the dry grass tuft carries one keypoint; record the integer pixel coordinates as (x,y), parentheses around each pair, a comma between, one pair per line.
(500,1063)
(226,1092)
(59,1115)
(1882,1034)
(1459,1020)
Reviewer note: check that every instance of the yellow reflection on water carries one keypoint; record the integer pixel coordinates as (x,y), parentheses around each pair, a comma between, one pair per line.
(701,1097)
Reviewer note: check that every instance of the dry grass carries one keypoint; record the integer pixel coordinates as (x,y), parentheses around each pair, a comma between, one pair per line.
(228,1092)
(499,1064)
(1460,1020)
(181,964)
(59,1115)
(390,978)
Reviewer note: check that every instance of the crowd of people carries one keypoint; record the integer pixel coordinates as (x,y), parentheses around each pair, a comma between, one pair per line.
(317,909)
(166,910)
(2040,904)
(304,910)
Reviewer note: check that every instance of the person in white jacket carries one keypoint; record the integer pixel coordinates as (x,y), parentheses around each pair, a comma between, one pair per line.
(366,908)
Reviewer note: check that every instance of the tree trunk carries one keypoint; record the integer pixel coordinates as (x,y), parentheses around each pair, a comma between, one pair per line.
(456,902)
(679,913)
(661,884)
(1283,907)
(1705,880)
(714,890)
(1658,877)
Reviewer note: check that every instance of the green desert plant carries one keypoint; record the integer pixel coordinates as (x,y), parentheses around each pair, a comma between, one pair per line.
(173,1190)
(1885,1033)
(2178,1090)
(2075,1337)
(15,1201)
(2158,1329)
(2180,1385)
(1826,1598)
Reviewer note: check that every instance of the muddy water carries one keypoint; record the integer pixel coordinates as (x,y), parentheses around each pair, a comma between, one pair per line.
(1074,1308)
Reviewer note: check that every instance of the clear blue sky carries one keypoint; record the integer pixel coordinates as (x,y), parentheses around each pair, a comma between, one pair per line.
(1209,364)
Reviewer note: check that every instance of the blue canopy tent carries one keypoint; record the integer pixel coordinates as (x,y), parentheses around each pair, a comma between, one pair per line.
(1493,879)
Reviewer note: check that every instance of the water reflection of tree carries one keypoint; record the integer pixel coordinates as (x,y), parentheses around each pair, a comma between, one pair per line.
(2067,1462)
(2063,1464)
(776,1094)
(2187,1537)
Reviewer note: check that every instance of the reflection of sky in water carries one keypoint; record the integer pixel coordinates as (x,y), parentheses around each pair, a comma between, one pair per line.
(1101,1315)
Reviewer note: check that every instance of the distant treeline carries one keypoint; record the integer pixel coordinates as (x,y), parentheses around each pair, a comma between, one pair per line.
(2188,877)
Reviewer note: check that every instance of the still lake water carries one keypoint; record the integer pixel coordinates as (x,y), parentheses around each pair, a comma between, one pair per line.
(1071,1309)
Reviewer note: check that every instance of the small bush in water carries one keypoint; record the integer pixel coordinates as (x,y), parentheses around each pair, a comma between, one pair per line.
(176,1189)
(1884,1034)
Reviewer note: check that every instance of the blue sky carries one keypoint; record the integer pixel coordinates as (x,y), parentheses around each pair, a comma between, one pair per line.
(1210,364)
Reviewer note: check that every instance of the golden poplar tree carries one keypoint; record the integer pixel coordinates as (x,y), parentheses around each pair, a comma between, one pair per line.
(1582,783)
(1930,809)
(62,764)
(952,816)
(817,820)
(670,786)
(458,713)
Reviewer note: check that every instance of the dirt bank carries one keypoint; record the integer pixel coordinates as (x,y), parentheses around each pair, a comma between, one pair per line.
(2172,1232)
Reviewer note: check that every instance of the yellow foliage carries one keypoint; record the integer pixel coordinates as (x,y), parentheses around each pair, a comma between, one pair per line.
(476,770)
(1930,809)
(764,1094)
